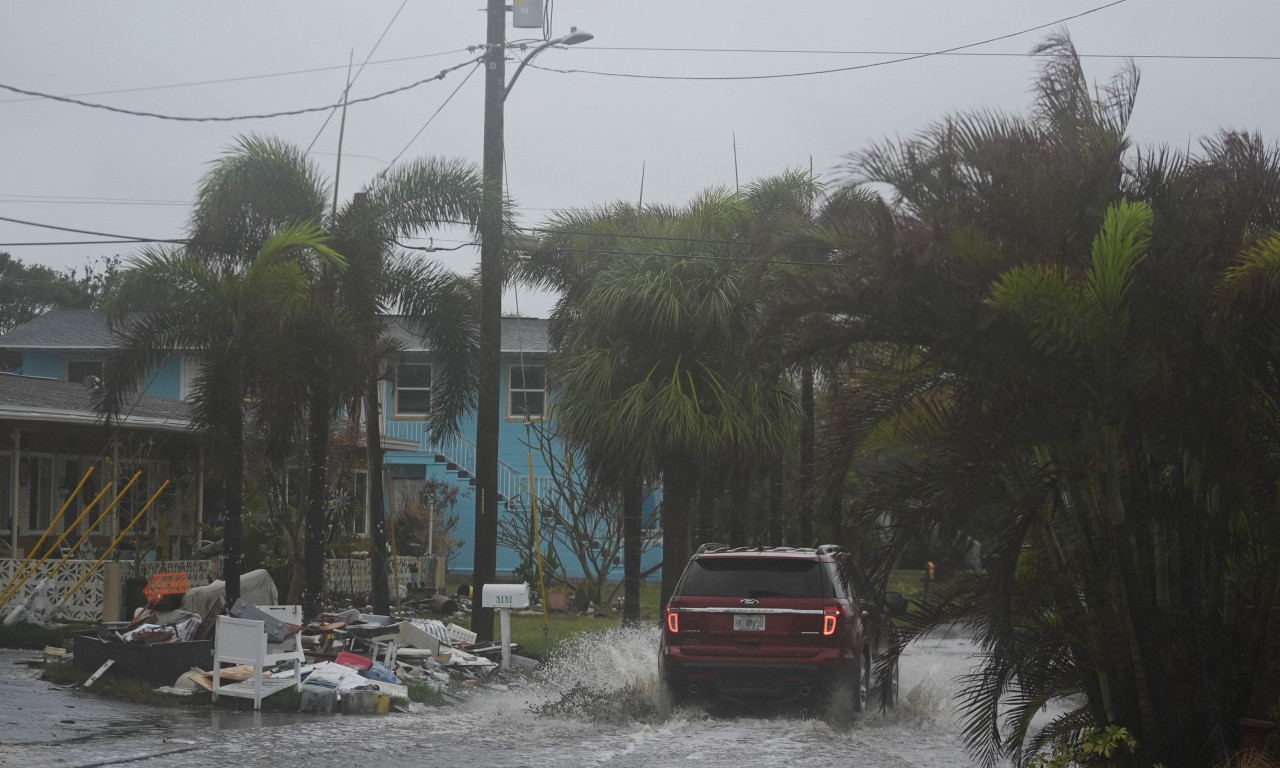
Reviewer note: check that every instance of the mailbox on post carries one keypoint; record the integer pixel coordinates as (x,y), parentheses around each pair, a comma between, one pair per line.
(511,596)
(505,598)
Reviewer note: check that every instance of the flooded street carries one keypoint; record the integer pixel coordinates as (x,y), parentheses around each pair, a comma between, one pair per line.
(595,708)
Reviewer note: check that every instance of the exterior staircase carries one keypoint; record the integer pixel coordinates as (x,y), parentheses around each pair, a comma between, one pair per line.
(457,455)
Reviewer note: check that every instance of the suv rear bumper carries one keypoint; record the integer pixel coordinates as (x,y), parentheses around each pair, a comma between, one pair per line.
(752,679)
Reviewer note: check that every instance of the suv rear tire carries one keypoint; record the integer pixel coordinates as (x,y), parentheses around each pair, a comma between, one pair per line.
(847,697)
(888,688)
(863,690)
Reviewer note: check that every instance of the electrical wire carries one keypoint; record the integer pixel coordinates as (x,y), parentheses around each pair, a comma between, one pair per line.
(434,248)
(265,116)
(699,256)
(88,242)
(833,70)
(244,78)
(998,54)
(444,104)
(76,200)
(353,78)
(122,238)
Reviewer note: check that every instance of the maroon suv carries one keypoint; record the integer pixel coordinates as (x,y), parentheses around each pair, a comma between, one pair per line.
(775,622)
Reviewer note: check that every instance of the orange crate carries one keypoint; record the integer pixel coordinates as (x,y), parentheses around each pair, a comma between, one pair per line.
(164,584)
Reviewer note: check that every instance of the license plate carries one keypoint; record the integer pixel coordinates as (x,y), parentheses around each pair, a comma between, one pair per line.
(748,622)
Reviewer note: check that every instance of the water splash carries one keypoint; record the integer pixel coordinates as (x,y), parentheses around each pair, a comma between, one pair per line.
(611,677)
(603,677)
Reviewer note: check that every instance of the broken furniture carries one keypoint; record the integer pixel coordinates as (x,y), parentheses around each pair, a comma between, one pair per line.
(402,637)
(245,641)
(156,663)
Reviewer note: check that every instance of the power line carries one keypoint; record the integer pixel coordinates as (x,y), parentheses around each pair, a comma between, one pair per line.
(243,78)
(443,104)
(78,200)
(833,70)
(88,242)
(346,90)
(433,248)
(287,113)
(122,238)
(701,256)
(993,54)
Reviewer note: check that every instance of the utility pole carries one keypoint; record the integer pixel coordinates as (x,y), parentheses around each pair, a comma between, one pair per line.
(491,278)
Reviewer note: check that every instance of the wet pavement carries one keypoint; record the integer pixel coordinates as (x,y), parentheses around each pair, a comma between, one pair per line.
(46,724)
(593,708)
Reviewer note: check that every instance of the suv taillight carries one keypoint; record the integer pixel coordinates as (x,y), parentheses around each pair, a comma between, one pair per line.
(673,620)
(830,618)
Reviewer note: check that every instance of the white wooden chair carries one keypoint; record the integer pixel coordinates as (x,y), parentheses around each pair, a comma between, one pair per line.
(244,641)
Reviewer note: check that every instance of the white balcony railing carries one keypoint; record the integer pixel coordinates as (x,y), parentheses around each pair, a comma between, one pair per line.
(460,452)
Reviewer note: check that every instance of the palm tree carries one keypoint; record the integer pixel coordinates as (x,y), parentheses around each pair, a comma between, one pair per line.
(658,365)
(224,315)
(1087,380)
(265,184)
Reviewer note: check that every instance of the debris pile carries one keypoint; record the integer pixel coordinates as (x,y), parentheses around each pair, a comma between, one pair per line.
(346,661)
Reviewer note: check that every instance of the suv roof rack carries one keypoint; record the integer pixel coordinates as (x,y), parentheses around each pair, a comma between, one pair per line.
(821,549)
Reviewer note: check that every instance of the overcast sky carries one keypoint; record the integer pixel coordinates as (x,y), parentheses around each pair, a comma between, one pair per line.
(573,138)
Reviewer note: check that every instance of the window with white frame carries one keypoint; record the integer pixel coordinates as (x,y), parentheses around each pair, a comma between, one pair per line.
(527,392)
(413,390)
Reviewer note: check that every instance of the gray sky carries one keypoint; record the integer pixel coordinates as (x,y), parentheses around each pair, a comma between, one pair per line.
(573,139)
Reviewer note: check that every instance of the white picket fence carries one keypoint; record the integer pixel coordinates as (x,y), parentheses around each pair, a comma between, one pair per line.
(343,578)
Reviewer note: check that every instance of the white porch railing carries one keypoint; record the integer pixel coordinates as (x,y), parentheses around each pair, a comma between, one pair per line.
(343,578)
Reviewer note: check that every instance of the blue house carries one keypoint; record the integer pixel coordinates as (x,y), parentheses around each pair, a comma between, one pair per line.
(69,346)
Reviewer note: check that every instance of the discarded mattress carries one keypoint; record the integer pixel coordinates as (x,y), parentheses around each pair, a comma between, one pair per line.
(256,587)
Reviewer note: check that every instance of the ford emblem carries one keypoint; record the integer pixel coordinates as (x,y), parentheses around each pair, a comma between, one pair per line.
(749,601)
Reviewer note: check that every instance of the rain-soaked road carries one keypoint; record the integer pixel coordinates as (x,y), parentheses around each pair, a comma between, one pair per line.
(595,713)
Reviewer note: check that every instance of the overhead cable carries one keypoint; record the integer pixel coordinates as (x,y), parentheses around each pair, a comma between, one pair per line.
(122,238)
(834,70)
(287,113)
(243,78)
(353,78)
(995,54)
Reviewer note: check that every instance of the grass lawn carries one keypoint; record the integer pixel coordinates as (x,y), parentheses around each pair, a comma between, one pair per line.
(527,626)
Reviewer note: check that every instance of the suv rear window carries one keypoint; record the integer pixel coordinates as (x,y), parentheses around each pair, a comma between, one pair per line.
(755,577)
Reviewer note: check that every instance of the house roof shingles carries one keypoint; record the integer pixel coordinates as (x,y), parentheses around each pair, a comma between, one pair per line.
(519,334)
(49,400)
(87,329)
(61,329)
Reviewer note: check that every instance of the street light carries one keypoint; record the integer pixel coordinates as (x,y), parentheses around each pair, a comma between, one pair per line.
(574,37)
(488,403)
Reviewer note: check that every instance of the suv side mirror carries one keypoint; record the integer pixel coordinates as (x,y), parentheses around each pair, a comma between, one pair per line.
(895,602)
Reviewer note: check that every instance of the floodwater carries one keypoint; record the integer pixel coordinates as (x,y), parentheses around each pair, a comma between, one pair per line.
(593,707)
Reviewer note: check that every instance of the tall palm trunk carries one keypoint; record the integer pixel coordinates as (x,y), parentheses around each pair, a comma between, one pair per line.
(313,558)
(680,489)
(232,492)
(737,513)
(381,550)
(775,505)
(632,534)
(805,491)
(1154,681)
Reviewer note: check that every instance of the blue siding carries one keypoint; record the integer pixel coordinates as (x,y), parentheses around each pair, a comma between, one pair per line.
(513,451)
(49,363)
